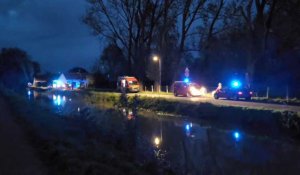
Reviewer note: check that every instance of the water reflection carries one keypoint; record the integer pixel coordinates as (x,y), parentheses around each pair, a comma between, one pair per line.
(128,113)
(28,92)
(236,136)
(196,149)
(188,129)
(59,100)
(189,147)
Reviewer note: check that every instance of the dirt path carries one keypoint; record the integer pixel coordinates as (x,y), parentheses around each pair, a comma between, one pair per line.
(17,157)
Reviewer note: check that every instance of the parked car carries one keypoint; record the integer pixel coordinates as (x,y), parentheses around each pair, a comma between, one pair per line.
(128,84)
(182,88)
(233,93)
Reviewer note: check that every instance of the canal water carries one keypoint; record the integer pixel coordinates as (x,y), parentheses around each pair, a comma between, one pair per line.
(182,144)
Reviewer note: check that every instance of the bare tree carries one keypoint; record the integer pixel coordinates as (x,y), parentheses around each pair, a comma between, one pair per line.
(130,24)
(258,16)
(133,25)
(188,16)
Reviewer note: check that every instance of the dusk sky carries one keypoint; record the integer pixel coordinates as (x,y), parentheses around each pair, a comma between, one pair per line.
(50,31)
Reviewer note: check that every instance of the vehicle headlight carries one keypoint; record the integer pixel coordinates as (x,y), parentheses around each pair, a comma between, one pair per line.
(203,91)
(194,91)
(192,88)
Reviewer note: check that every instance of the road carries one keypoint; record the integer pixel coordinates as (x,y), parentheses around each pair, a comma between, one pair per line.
(221,102)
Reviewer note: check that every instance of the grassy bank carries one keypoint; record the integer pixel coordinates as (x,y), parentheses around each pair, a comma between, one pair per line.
(254,120)
(73,145)
(291,101)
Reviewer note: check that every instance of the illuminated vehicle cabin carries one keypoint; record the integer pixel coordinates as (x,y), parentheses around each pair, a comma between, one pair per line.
(185,88)
(129,84)
(235,91)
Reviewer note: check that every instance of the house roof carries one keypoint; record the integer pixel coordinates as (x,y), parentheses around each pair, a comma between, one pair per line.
(75,76)
(70,76)
(62,78)
(42,77)
(78,70)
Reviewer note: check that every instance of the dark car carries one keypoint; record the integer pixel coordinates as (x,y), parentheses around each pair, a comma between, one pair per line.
(233,93)
(187,89)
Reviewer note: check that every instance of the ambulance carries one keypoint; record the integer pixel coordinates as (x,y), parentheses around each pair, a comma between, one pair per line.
(128,84)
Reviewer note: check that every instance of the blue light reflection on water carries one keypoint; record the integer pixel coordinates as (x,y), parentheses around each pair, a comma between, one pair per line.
(29,94)
(188,128)
(59,100)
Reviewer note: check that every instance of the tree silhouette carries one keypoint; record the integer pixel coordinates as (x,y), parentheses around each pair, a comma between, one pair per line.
(16,68)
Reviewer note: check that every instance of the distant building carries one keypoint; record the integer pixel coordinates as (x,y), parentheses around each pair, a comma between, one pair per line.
(40,81)
(37,82)
(76,80)
(60,82)
(71,81)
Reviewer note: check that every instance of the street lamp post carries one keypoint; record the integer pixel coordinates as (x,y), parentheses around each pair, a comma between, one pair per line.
(157,59)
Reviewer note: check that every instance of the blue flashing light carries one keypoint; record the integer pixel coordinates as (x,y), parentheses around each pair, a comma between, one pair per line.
(186,80)
(29,93)
(235,84)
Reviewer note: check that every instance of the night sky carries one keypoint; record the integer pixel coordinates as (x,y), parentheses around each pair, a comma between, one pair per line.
(50,31)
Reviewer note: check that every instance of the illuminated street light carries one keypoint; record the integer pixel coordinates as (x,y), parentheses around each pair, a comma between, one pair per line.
(157,59)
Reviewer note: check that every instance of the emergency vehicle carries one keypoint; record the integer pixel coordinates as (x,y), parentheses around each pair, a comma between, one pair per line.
(128,84)
(235,91)
(183,88)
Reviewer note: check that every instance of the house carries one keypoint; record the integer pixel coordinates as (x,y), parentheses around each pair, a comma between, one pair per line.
(60,82)
(40,82)
(71,80)
(76,80)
